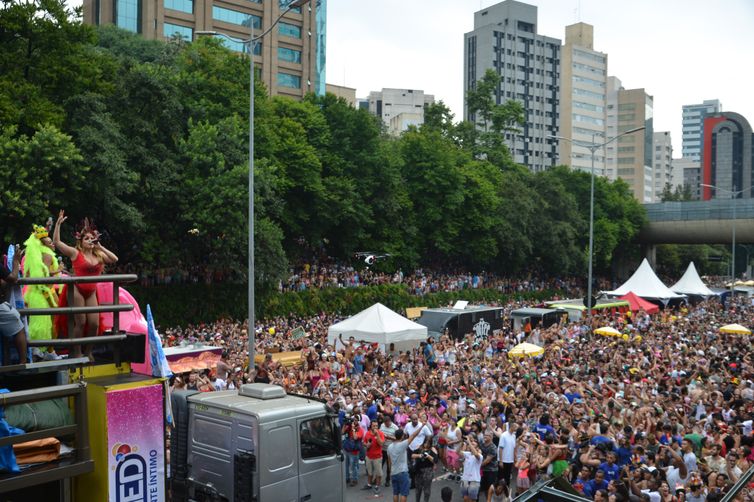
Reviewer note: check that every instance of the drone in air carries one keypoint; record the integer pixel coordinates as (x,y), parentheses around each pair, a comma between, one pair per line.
(371,258)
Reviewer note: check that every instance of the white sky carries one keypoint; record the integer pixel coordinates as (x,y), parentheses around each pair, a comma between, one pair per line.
(680,51)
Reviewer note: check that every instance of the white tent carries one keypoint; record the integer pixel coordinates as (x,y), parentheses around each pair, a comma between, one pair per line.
(646,284)
(379,324)
(691,284)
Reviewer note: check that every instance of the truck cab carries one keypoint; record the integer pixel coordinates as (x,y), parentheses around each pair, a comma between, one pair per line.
(255,444)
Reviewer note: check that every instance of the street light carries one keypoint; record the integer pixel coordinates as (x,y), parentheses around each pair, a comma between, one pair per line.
(733,195)
(251,42)
(592,147)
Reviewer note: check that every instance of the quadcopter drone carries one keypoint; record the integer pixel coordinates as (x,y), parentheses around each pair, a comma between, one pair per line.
(371,258)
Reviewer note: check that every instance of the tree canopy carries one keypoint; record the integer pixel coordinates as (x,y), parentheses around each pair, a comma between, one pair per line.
(150,138)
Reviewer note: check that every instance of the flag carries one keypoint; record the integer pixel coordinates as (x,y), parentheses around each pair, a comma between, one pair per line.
(160,366)
(298,333)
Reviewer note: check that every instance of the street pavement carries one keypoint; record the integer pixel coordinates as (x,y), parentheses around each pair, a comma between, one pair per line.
(356,494)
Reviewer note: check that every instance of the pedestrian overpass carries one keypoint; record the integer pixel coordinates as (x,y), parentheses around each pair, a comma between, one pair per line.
(698,222)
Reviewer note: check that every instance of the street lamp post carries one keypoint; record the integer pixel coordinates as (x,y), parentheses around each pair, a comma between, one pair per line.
(251,43)
(592,147)
(733,195)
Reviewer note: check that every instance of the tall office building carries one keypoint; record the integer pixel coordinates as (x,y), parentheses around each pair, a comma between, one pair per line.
(728,156)
(505,39)
(693,121)
(630,157)
(662,162)
(399,108)
(290,59)
(687,173)
(583,98)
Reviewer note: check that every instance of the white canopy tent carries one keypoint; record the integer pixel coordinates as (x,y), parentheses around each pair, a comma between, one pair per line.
(691,284)
(646,284)
(379,324)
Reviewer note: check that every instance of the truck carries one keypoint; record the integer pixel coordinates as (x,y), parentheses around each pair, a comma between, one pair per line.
(257,443)
(480,320)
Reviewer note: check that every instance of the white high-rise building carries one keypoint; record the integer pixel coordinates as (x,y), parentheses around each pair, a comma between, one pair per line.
(505,39)
(662,162)
(583,102)
(693,127)
(399,108)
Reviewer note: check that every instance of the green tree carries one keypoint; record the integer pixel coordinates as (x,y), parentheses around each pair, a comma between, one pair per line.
(46,56)
(38,172)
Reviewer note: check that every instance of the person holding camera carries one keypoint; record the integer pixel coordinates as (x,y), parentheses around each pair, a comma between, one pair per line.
(424,466)
(472,469)
(352,444)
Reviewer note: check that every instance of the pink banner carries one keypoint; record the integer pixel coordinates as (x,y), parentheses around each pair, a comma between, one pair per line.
(136,444)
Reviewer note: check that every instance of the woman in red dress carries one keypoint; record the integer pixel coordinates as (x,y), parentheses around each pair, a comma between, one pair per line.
(88,258)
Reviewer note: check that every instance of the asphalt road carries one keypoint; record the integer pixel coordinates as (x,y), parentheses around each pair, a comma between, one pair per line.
(356,494)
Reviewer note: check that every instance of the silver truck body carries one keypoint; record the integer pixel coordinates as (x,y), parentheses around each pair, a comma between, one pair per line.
(295,441)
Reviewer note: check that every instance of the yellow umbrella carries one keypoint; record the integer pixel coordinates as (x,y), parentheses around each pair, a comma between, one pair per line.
(735,329)
(608,331)
(526,350)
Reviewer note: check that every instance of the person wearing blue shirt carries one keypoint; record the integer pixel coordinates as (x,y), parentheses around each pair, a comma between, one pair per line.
(611,467)
(429,354)
(598,483)
(372,409)
(358,363)
(624,452)
(412,400)
(543,428)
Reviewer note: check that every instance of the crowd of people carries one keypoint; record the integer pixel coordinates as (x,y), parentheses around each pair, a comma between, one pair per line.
(421,281)
(662,414)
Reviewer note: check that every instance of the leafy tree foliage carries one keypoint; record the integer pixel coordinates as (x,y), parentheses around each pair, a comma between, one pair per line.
(151,139)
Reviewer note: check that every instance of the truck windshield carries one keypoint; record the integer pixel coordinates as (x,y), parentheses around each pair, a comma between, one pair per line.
(318,438)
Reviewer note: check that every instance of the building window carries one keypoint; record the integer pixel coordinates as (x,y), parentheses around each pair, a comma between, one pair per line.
(290,55)
(588,106)
(290,30)
(284,5)
(588,68)
(592,120)
(588,81)
(239,46)
(176,30)
(180,5)
(588,94)
(623,171)
(626,160)
(288,80)
(597,58)
(127,15)
(236,17)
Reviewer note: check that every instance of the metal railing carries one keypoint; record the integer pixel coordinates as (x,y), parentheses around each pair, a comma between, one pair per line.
(115,307)
(715,209)
(80,463)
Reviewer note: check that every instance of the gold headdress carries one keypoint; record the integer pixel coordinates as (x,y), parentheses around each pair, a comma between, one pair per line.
(40,232)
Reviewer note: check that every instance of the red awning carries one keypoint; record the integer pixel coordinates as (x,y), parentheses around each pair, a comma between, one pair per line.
(636,303)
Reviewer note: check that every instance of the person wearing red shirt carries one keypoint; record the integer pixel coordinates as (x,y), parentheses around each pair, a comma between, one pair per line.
(373,441)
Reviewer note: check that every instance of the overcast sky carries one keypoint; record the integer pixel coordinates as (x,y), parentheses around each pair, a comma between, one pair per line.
(680,51)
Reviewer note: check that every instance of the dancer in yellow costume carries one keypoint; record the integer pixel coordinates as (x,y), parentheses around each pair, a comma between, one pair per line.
(40,262)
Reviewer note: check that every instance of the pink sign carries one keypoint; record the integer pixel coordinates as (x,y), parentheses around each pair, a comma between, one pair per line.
(136,444)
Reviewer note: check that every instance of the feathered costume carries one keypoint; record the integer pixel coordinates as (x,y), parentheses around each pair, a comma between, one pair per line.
(39,295)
